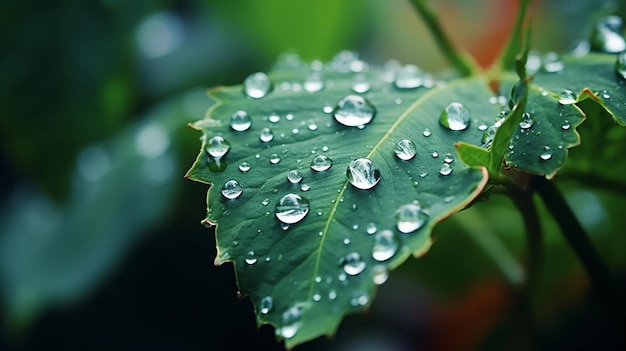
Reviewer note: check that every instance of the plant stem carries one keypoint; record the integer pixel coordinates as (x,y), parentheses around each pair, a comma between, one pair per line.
(582,246)
(463,62)
(514,46)
(523,200)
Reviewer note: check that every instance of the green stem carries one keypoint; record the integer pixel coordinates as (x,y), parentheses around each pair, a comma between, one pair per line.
(461,61)
(523,200)
(582,246)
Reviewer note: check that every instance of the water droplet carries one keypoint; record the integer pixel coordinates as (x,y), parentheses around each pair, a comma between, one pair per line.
(527,121)
(353,264)
(250,258)
(332,294)
(240,121)
(371,228)
(265,202)
(410,217)
(314,83)
(354,207)
(455,117)
(232,189)
(317,297)
(409,77)
(360,299)
(321,163)
(305,187)
(244,166)
(567,97)
(606,36)
(284,226)
(294,176)
(354,111)
(266,304)
(346,241)
(312,126)
(445,169)
(423,174)
(620,65)
(295,131)
(360,84)
(482,127)
(217,147)
(257,85)
(266,135)
(488,135)
(385,245)
(405,149)
(566,125)
(291,208)
(546,154)
(426,132)
(362,174)
(435,154)
(291,320)
(551,63)
(448,158)
(379,274)
(274,159)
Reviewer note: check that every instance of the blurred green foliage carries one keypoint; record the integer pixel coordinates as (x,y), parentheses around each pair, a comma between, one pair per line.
(89,261)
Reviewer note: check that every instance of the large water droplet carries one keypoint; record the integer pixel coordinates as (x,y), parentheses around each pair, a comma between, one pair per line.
(405,149)
(455,117)
(240,121)
(607,37)
(321,163)
(546,154)
(266,304)
(567,97)
(353,264)
(445,169)
(620,65)
(291,208)
(362,174)
(409,77)
(217,147)
(266,135)
(410,217)
(354,111)
(314,83)
(527,121)
(232,189)
(385,245)
(294,176)
(250,258)
(257,85)
(551,63)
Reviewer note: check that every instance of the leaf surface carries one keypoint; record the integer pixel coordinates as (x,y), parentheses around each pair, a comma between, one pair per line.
(308,269)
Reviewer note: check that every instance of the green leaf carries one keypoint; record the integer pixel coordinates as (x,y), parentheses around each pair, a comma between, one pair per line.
(301,269)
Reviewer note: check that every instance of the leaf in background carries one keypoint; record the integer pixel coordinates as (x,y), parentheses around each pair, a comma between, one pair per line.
(52,254)
(303,277)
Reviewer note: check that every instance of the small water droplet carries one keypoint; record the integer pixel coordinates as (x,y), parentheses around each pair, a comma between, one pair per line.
(291,320)
(321,163)
(294,176)
(410,217)
(327,109)
(482,127)
(266,135)
(488,135)
(379,274)
(409,77)
(353,264)
(567,97)
(312,126)
(325,148)
(360,299)
(354,111)
(284,226)
(240,121)
(354,207)
(244,166)
(274,118)
(291,208)
(274,159)
(346,241)
(620,65)
(360,84)
(551,63)
(265,202)
(607,37)
(217,147)
(266,304)
(257,85)
(313,83)
(371,228)
(232,189)
(332,294)
(566,125)
(385,245)
(405,149)
(423,174)
(316,297)
(426,132)
(305,187)
(250,258)
(455,117)
(448,158)
(362,174)
(546,154)
(445,169)
(435,154)
(527,121)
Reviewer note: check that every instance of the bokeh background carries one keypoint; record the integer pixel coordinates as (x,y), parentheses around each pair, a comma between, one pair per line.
(100,242)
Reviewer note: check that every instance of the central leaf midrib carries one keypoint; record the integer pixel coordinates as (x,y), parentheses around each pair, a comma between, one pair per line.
(385,137)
